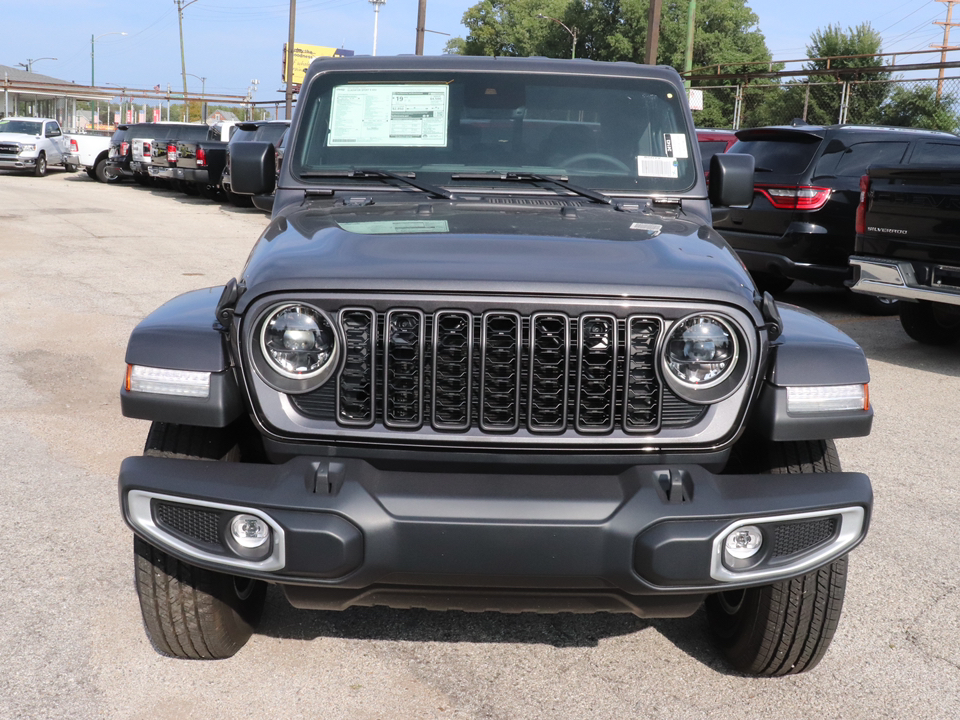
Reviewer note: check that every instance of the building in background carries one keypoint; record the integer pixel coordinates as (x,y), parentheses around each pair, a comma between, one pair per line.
(31,94)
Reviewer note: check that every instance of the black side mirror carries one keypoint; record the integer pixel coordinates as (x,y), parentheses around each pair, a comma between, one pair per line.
(253,168)
(731,179)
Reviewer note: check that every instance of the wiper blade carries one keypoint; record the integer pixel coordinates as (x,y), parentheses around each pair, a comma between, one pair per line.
(409,180)
(560,181)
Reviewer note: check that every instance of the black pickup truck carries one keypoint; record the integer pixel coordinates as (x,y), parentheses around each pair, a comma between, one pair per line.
(201,162)
(271,131)
(165,161)
(490,354)
(908,244)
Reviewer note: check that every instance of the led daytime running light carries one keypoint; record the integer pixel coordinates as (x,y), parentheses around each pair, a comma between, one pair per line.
(162,381)
(830,398)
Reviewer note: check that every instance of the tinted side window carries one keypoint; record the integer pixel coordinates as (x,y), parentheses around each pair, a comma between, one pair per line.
(708,149)
(855,160)
(935,153)
(787,155)
(271,133)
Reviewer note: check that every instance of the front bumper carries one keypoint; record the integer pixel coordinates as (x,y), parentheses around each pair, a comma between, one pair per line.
(360,534)
(899,279)
(18,162)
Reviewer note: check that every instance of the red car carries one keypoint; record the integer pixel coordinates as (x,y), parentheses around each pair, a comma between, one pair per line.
(712,142)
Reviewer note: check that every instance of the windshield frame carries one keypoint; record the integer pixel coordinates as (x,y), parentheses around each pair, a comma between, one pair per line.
(315,106)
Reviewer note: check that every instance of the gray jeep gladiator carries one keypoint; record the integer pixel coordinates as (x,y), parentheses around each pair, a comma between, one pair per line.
(490,355)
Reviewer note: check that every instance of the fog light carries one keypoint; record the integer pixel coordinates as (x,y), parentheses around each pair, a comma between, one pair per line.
(249,531)
(744,542)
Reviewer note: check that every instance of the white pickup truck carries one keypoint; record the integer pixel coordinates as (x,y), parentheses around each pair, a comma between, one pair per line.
(89,152)
(33,144)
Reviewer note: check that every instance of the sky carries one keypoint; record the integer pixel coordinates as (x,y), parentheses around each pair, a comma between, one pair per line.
(232,42)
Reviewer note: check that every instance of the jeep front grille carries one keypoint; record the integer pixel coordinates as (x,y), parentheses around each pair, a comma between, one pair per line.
(499,372)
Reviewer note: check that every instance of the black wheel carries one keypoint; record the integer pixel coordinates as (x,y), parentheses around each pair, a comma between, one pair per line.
(786,627)
(930,323)
(189,188)
(70,167)
(105,174)
(92,173)
(876,305)
(40,169)
(771,283)
(190,612)
(141,179)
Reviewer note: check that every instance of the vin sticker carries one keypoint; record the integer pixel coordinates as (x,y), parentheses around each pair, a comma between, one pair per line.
(658,167)
(651,229)
(676,145)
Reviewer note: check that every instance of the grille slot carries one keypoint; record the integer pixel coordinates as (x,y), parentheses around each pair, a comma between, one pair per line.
(452,388)
(195,523)
(549,372)
(403,369)
(355,396)
(500,372)
(597,376)
(799,536)
(641,396)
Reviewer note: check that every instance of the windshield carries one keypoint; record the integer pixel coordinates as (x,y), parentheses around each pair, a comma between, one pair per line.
(621,134)
(21,127)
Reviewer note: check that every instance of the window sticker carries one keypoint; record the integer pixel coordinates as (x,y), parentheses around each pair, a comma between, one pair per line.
(676,145)
(651,229)
(396,227)
(658,167)
(389,116)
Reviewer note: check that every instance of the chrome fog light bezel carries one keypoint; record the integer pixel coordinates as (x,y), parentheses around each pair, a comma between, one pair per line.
(140,513)
(851,523)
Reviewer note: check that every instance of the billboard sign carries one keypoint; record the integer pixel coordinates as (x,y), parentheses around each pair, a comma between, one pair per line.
(303,55)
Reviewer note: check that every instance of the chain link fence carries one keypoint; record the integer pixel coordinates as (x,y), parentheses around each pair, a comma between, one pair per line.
(932,103)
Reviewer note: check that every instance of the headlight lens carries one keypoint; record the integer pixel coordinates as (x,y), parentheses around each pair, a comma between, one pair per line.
(27,148)
(701,351)
(298,342)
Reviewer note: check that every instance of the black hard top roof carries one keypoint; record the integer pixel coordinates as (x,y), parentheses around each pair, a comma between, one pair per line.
(821,131)
(469,63)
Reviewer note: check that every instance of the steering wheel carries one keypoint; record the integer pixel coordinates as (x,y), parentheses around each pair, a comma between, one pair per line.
(586,157)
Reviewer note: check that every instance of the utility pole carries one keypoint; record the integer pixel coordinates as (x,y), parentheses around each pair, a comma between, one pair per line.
(181,6)
(653,32)
(946,41)
(421,25)
(293,25)
(376,21)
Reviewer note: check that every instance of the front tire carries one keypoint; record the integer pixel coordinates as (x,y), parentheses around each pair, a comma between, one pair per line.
(876,305)
(40,169)
(190,612)
(786,627)
(930,323)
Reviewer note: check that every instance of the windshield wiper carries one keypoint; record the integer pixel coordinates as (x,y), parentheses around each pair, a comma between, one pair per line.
(383,174)
(535,177)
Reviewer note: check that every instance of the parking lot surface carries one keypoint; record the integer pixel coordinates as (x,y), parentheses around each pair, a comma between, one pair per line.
(81,263)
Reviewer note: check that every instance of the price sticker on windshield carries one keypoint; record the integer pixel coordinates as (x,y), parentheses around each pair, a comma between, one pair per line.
(657,167)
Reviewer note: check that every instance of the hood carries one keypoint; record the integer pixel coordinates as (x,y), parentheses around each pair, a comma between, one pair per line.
(19,138)
(496,245)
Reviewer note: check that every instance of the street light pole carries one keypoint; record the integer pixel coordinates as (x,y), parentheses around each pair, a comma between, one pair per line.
(289,89)
(376,21)
(573,33)
(203,93)
(93,41)
(28,65)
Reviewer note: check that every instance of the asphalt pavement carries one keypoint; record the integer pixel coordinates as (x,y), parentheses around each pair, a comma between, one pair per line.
(81,263)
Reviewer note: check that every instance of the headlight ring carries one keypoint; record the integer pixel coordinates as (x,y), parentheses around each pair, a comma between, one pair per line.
(703,358)
(298,348)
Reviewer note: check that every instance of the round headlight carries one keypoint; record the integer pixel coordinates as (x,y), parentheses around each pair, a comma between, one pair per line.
(701,351)
(298,342)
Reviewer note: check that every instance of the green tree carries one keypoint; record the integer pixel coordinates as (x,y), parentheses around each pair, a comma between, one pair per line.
(919,107)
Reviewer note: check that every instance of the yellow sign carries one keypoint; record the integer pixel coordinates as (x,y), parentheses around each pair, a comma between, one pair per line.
(303,55)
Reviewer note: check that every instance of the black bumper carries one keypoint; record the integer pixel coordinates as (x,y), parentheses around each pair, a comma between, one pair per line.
(190,175)
(804,252)
(355,533)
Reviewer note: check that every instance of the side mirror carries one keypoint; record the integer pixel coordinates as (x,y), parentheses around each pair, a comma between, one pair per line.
(253,169)
(731,179)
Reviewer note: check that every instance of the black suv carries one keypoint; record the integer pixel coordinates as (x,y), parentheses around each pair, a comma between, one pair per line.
(489,354)
(801,224)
